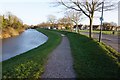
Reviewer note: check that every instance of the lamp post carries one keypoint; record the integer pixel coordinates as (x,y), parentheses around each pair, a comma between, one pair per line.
(101,19)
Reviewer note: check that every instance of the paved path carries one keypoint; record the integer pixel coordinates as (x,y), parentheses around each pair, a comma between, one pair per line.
(110,40)
(60,62)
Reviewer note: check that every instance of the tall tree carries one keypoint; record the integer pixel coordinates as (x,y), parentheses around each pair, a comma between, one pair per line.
(9,17)
(1,20)
(4,22)
(75,17)
(10,20)
(87,7)
(66,22)
(51,19)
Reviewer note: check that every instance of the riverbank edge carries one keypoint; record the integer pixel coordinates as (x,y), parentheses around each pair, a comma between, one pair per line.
(31,63)
(10,32)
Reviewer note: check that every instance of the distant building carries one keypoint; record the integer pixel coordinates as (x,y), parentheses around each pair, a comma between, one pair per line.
(118,28)
(79,26)
(95,27)
(60,26)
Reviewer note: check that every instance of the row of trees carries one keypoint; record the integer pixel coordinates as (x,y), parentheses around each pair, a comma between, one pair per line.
(11,25)
(10,20)
(75,9)
(88,7)
(70,18)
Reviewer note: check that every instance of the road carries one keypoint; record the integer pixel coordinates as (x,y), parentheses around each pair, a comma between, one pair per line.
(110,40)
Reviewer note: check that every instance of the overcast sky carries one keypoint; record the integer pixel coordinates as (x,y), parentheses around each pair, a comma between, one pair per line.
(36,11)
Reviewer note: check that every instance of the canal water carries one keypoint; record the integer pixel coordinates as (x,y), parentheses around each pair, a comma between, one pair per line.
(24,42)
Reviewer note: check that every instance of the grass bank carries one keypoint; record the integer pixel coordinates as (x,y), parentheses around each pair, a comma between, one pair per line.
(92,60)
(31,64)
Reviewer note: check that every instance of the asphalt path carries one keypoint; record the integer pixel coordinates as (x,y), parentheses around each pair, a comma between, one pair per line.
(60,62)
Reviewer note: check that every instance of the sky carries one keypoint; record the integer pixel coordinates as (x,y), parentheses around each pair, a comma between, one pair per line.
(119,13)
(33,12)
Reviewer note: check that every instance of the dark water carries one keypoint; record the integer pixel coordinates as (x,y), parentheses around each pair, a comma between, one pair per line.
(26,41)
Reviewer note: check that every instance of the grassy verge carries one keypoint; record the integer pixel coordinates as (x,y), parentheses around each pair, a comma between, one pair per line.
(31,63)
(111,52)
(92,60)
(104,32)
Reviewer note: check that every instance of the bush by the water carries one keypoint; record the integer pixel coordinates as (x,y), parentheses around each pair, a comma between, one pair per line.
(10,25)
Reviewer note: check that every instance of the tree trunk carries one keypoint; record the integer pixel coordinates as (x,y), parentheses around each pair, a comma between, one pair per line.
(77,30)
(71,28)
(91,27)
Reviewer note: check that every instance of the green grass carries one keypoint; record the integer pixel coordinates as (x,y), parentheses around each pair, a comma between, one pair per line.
(31,64)
(104,32)
(92,60)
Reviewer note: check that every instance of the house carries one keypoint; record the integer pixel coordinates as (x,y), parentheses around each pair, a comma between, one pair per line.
(118,28)
(95,27)
(79,26)
(62,26)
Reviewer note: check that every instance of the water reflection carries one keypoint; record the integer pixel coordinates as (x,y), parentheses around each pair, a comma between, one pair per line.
(22,43)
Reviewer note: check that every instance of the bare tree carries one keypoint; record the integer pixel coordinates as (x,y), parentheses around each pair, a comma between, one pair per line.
(51,19)
(87,7)
(65,21)
(113,23)
(75,17)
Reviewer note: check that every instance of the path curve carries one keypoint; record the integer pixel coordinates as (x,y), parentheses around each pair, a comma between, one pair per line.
(60,62)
